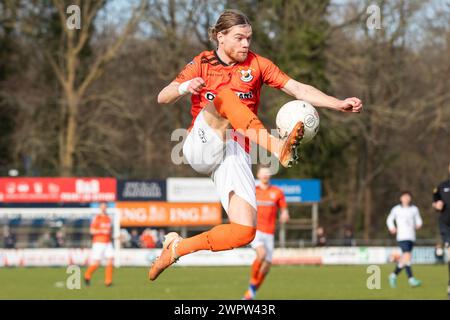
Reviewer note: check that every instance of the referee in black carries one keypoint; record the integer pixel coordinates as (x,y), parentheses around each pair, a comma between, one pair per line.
(441,202)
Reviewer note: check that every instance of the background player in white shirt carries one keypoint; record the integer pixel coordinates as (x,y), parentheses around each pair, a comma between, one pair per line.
(404,220)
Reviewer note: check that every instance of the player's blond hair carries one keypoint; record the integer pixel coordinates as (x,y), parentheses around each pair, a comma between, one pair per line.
(227,19)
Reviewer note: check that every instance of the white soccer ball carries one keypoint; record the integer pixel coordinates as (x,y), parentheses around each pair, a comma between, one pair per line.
(294,111)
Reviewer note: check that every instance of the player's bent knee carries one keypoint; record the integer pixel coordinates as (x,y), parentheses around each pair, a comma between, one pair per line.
(230,236)
(244,236)
(261,255)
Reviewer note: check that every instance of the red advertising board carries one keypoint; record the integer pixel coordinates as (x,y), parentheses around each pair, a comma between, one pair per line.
(57,189)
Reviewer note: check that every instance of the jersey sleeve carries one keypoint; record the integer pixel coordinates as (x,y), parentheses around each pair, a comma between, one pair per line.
(390,219)
(190,71)
(94,222)
(417,218)
(436,194)
(282,201)
(271,74)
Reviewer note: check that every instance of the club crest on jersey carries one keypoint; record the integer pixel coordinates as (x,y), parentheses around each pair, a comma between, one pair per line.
(246,74)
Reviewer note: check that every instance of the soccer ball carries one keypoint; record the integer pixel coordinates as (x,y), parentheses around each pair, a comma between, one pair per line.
(294,111)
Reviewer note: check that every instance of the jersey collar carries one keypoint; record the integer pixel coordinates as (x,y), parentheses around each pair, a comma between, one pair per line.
(221,61)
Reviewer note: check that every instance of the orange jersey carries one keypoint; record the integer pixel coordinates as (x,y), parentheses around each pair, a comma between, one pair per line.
(268,202)
(102,223)
(244,78)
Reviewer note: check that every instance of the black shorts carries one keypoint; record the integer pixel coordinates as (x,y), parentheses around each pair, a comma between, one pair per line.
(445,233)
(406,245)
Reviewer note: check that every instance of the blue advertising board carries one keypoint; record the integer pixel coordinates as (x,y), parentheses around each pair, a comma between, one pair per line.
(141,190)
(299,190)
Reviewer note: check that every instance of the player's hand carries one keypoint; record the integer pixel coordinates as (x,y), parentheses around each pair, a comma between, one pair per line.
(196,85)
(393,230)
(350,105)
(284,218)
(439,205)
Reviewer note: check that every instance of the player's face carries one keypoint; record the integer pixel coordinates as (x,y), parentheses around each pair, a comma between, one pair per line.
(103,208)
(236,42)
(405,199)
(264,175)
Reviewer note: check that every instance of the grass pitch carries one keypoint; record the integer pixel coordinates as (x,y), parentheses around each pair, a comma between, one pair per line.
(191,283)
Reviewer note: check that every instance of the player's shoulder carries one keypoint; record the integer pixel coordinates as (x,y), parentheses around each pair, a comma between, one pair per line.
(444,184)
(207,57)
(277,189)
(202,57)
(396,207)
(261,60)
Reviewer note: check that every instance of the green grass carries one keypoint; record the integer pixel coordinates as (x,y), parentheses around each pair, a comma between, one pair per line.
(283,282)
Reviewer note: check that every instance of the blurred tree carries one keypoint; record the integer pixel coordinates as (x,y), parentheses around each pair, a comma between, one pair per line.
(65,64)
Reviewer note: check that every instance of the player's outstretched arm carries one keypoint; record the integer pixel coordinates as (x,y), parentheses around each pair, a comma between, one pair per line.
(316,97)
(284,216)
(176,90)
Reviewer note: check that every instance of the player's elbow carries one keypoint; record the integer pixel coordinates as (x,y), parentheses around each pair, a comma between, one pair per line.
(162,99)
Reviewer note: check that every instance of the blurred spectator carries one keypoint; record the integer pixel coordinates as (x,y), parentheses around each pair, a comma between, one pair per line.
(125,238)
(9,239)
(439,253)
(160,240)
(60,240)
(134,239)
(348,236)
(46,241)
(147,239)
(321,237)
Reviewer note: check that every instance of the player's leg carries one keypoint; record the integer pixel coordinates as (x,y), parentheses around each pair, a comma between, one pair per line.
(235,184)
(96,254)
(267,262)
(260,250)
(109,254)
(448,262)
(90,271)
(407,261)
(257,264)
(243,120)
(265,268)
(239,232)
(445,234)
(109,272)
(398,268)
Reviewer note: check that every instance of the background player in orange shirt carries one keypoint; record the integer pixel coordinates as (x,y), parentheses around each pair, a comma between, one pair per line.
(270,200)
(225,85)
(101,229)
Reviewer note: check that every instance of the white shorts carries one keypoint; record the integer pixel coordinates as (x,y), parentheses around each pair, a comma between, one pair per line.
(102,250)
(266,240)
(226,162)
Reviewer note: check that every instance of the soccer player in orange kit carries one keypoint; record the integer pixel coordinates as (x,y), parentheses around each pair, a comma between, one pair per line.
(225,86)
(270,199)
(101,229)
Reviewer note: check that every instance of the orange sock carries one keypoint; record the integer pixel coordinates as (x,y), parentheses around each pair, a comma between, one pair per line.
(259,279)
(90,271)
(243,120)
(220,238)
(109,273)
(255,271)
